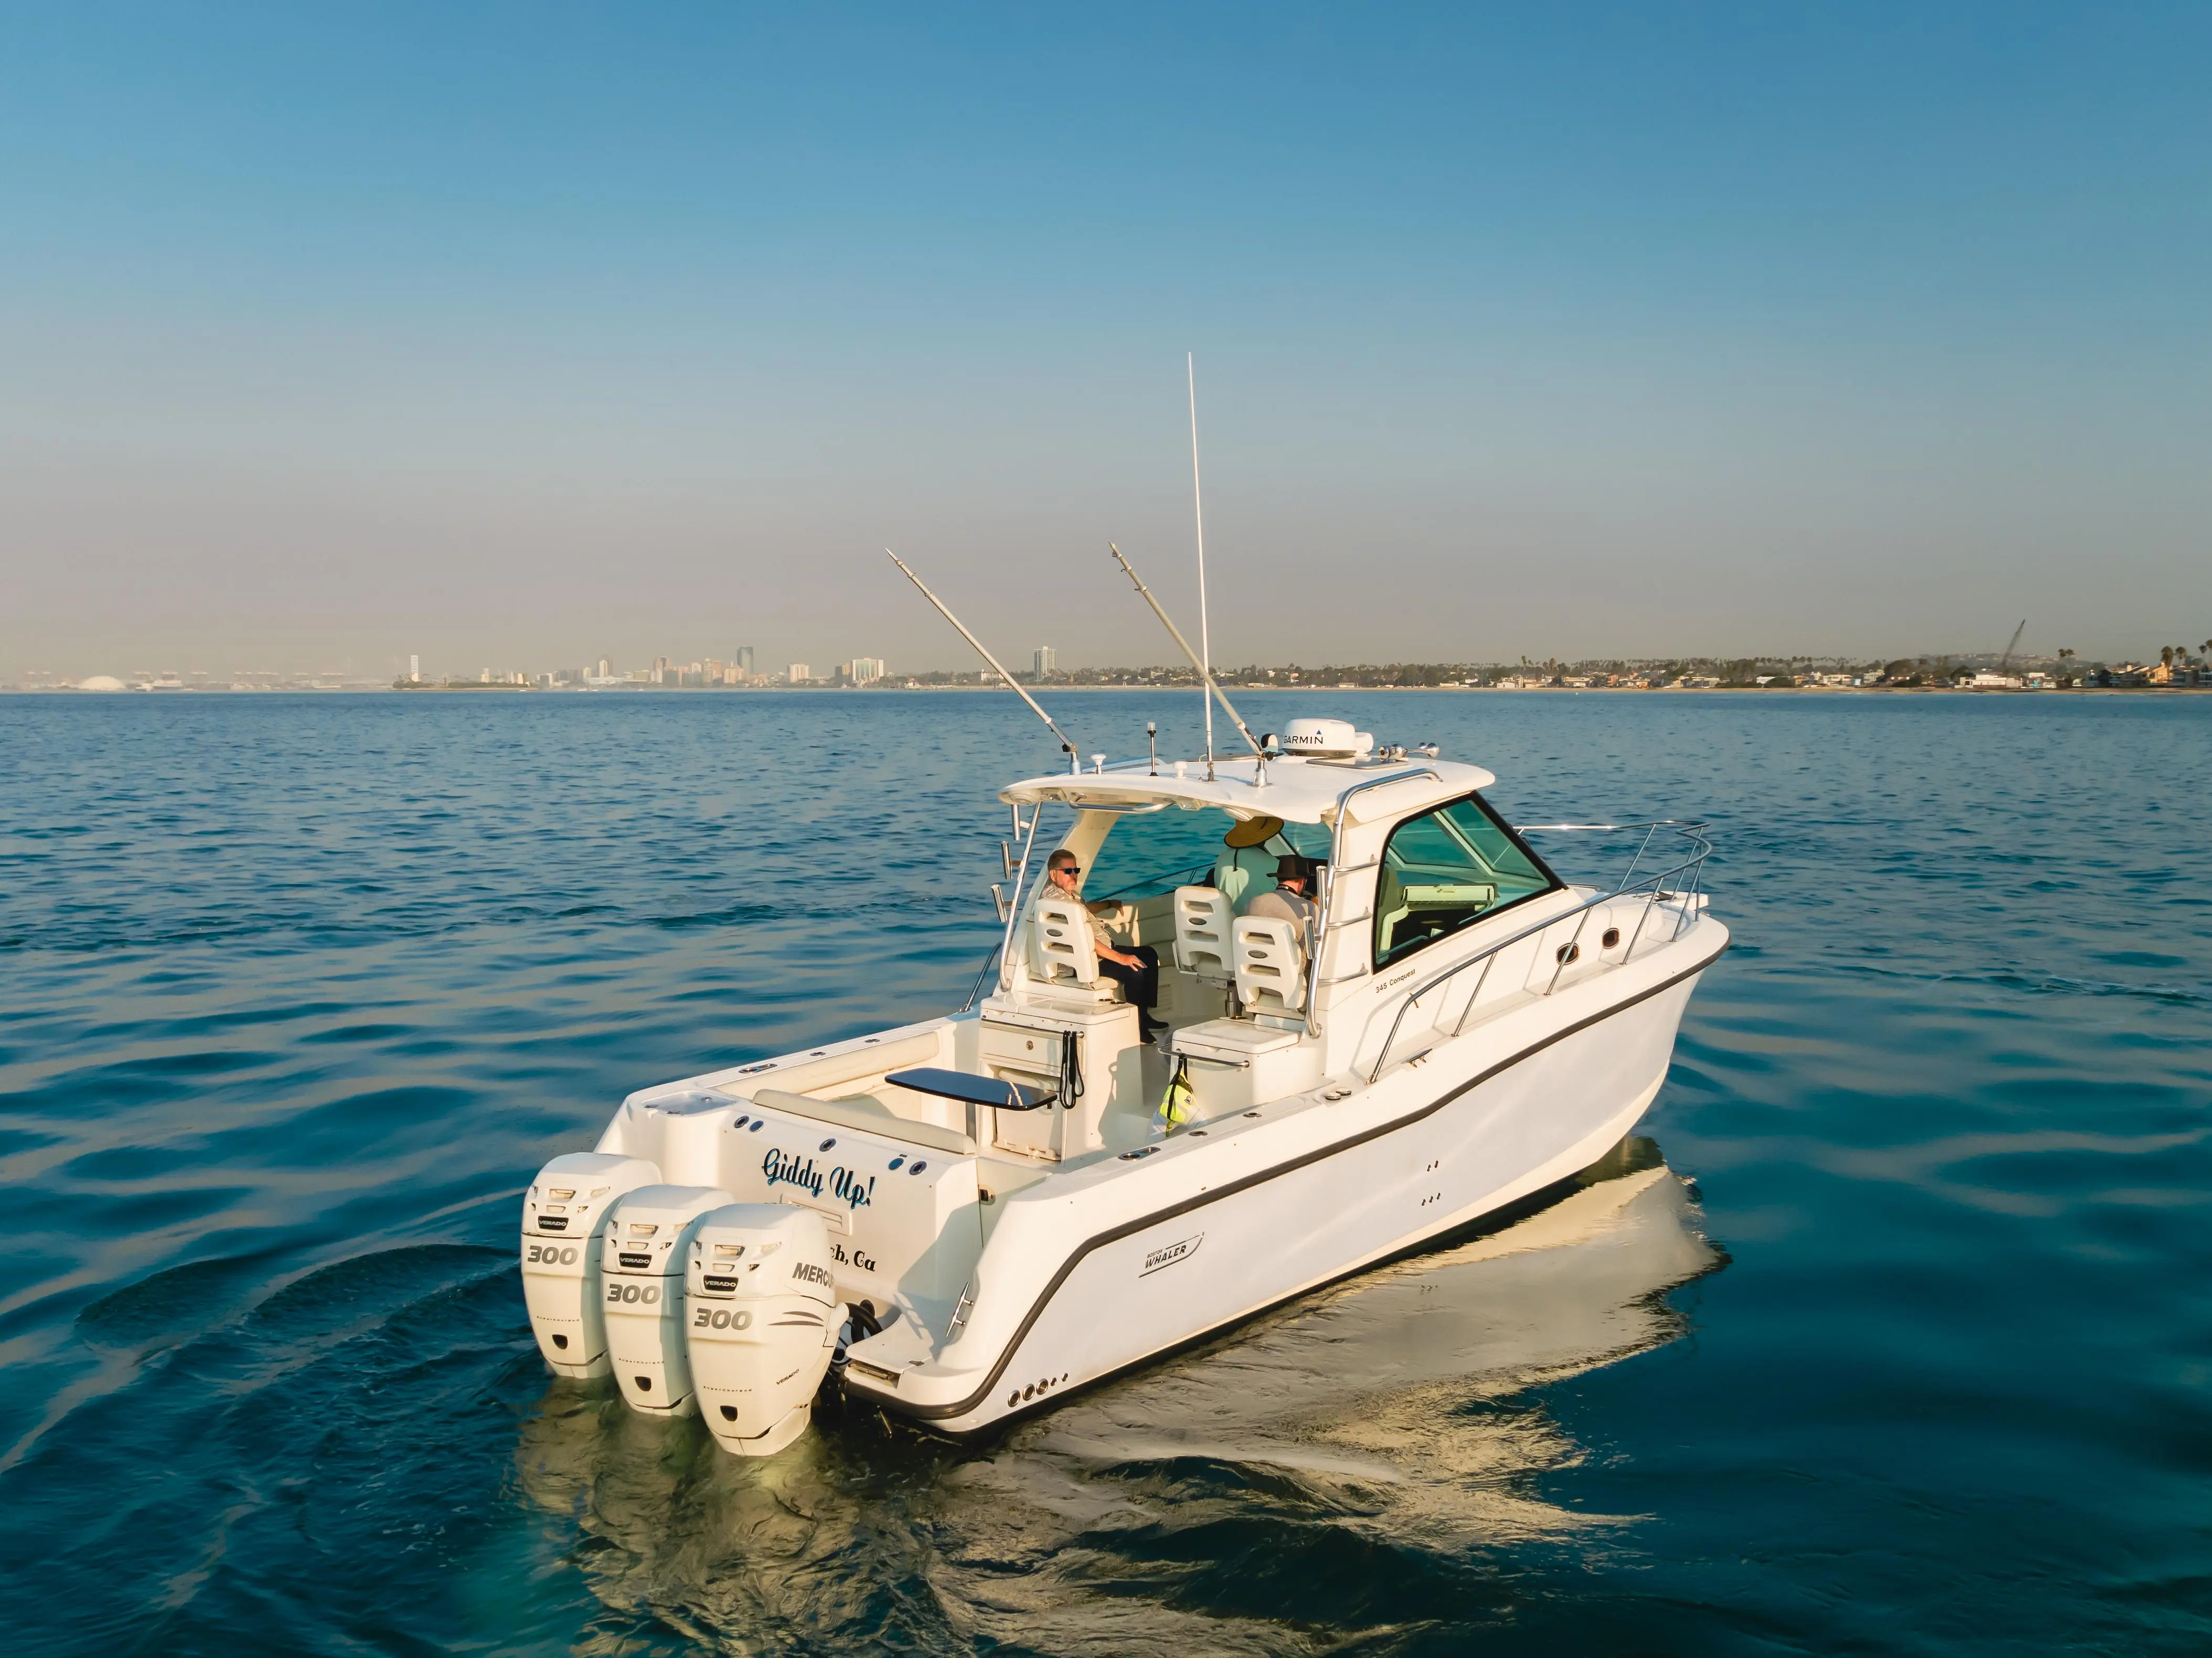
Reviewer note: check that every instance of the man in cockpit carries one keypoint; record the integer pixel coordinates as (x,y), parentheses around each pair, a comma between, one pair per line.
(1289,901)
(1245,866)
(1136,970)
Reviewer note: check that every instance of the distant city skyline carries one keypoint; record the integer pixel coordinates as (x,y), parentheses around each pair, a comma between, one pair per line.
(2180,664)
(1694,328)
(739,665)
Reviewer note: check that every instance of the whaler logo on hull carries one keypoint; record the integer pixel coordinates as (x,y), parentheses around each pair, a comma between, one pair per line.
(1169,1253)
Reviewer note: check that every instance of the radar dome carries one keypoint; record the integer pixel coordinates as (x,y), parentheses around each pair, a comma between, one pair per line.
(101,682)
(1331,739)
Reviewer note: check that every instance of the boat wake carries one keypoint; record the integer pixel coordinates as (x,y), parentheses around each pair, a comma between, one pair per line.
(1388,1430)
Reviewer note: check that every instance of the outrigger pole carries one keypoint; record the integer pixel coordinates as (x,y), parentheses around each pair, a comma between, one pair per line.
(1204,672)
(1066,742)
(1198,513)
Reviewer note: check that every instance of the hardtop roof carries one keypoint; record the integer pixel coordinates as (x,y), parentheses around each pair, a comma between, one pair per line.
(1297,790)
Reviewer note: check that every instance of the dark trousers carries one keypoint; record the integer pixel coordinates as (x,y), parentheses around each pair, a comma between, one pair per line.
(1139,985)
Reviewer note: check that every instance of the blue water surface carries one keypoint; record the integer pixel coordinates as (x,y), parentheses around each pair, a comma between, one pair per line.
(299,991)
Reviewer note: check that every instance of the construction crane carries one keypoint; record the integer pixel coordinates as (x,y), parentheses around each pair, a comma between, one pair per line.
(2005,661)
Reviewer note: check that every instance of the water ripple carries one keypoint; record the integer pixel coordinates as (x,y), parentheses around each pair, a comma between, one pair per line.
(302,989)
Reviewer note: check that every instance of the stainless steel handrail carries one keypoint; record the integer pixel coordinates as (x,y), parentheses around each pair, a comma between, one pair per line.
(1654,886)
(1014,908)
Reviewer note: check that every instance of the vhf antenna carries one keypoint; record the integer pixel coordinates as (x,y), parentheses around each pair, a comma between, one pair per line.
(1066,742)
(1204,675)
(1198,512)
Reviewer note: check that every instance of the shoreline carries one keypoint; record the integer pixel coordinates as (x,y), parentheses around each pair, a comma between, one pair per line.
(1058,690)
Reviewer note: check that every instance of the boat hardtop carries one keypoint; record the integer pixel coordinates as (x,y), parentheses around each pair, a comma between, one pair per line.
(1296,790)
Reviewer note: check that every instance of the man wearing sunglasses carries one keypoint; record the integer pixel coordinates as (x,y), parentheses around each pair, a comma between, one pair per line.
(1137,969)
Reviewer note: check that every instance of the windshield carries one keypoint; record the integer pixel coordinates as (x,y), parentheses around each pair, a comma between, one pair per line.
(1149,854)
(1445,870)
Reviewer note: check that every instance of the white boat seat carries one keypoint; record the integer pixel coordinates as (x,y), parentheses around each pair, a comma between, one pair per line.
(1229,1041)
(1236,1064)
(1270,966)
(1064,956)
(1203,946)
(868,1114)
(868,1060)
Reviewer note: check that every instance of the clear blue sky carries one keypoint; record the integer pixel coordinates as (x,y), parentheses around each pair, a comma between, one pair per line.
(517,335)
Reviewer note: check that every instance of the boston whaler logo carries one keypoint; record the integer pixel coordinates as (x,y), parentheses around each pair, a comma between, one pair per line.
(785,1169)
(1167,1254)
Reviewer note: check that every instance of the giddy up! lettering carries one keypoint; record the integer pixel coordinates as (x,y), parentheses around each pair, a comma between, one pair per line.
(854,1190)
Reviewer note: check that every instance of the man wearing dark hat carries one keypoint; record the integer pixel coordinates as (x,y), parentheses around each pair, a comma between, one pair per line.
(1288,902)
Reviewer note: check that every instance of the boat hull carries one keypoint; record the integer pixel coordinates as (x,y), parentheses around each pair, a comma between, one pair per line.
(1480,1122)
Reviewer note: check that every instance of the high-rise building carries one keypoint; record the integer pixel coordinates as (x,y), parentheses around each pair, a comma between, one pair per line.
(745,661)
(602,670)
(798,673)
(414,669)
(1044,659)
(865,669)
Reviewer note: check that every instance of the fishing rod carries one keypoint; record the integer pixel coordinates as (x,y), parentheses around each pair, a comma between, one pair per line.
(1066,742)
(1204,672)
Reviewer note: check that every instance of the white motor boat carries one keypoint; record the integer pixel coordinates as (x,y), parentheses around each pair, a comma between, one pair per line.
(1006,1211)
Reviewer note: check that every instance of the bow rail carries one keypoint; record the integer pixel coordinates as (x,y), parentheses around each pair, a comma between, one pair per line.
(1678,888)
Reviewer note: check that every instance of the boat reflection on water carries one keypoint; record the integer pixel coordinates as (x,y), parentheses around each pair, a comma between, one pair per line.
(1395,1410)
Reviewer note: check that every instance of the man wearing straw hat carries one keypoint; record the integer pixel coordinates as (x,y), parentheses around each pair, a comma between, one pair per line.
(1245,867)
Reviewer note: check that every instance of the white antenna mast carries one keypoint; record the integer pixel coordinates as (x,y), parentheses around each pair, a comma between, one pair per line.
(1198,511)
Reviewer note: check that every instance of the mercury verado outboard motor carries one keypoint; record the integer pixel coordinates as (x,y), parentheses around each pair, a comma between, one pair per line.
(761,1319)
(564,1215)
(641,1258)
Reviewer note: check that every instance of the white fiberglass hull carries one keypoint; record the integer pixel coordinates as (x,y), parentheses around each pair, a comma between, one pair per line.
(1104,1267)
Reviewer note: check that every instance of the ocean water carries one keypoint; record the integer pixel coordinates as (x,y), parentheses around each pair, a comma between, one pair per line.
(1890,1331)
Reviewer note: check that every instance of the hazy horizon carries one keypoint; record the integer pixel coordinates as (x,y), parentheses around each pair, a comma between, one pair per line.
(514,338)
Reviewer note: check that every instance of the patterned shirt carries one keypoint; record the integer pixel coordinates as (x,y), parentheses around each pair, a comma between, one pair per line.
(1101,939)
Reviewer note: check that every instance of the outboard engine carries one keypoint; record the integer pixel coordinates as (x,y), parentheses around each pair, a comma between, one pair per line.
(564,1215)
(641,1257)
(762,1322)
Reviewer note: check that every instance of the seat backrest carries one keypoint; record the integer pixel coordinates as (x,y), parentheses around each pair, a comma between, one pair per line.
(1064,953)
(1270,966)
(1202,942)
(868,1114)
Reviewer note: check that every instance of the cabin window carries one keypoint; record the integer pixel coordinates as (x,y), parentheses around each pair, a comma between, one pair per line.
(1445,870)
